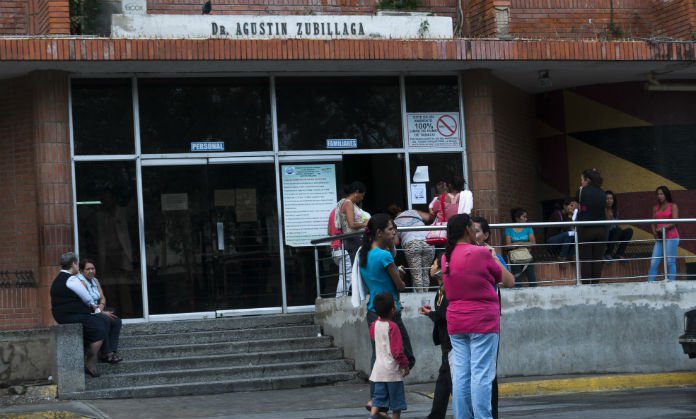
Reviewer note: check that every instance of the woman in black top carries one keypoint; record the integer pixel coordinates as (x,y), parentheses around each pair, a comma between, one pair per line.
(591,201)
(616,236)
(443,385)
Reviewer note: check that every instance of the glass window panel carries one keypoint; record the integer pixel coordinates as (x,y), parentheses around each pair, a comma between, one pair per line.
(439,166)
(176,112)
(107,225)
(432,94)
(211,236)
(384,179)
(102,111)
(312,110)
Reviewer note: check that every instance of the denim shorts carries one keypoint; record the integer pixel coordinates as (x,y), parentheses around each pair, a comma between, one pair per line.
(390,395)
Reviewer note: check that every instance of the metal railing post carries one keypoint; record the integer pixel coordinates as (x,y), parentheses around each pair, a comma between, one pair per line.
(664,253)
(342,268)
(316,270)
(578,278)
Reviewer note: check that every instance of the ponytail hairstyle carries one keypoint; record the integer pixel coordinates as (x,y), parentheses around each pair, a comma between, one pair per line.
(377,222)
(457,228)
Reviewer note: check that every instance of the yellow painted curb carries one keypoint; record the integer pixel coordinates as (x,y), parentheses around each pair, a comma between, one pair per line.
(600,383)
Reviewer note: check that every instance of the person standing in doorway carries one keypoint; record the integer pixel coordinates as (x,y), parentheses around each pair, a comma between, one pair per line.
(592,202)
(664,209)
(349,216)
(339,254)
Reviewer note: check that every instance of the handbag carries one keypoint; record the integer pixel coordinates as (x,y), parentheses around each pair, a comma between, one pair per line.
(520,256)
(438,237)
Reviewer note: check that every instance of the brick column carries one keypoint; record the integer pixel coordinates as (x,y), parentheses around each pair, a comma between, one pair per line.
(48,17)
(53,177)
(19,308)
(503,161)
(480,142)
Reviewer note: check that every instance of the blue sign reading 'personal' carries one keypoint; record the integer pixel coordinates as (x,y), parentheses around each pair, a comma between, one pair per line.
(208,146)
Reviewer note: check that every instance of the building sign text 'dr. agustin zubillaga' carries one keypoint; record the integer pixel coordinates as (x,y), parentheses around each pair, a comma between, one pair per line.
(280,27)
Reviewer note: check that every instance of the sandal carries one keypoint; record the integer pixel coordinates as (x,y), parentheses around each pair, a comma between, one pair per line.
(114,359)
(91,373)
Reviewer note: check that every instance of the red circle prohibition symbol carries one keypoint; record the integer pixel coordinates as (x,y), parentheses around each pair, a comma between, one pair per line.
(446,125)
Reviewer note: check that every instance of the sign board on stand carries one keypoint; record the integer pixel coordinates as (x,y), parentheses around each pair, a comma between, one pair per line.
(309,195)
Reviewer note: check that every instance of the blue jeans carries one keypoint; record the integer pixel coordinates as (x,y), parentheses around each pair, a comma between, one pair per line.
(390,396)
(473,366)
(564,239)
(672,246)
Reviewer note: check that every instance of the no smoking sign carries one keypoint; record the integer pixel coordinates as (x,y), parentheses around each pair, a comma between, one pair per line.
(434,130)
(446,125)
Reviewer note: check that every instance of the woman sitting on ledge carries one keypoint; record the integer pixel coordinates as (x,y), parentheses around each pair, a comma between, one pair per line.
(109,349)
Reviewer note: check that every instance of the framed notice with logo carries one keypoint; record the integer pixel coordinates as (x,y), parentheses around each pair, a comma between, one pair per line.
(309,195)
(434,130)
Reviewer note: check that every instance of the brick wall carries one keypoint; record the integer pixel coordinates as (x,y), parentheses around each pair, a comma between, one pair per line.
(18,230)
(53,177)
(581,19)
(295,7)
(13,17)
(479,18)
(34,17)
(502,152)
(516,151)
(480,142)
(675,19)
(36,213)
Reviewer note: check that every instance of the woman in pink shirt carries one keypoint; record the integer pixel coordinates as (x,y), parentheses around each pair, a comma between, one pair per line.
(470,276)
(664,209)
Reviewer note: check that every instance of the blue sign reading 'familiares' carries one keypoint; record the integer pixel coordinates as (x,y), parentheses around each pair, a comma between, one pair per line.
(208,146)
(341,143)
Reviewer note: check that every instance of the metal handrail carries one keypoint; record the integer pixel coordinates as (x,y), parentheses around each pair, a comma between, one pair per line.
(568,225)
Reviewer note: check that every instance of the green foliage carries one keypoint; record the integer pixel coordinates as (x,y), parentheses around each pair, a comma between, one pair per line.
(398,4)
(614,30)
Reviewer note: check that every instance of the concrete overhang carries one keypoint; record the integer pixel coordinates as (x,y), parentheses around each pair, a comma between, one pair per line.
(518,62)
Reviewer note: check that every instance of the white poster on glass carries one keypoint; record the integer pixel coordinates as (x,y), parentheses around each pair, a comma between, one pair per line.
(174,201)
(434,130)
(309,195)
(418,193)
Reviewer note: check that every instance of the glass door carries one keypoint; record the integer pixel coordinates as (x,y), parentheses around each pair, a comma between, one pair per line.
(211,236)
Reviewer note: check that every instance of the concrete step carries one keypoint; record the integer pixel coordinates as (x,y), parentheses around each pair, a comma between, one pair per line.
(220,361)
(207,375)
(201,349)
(216,387)
(225,323)
(217,336)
